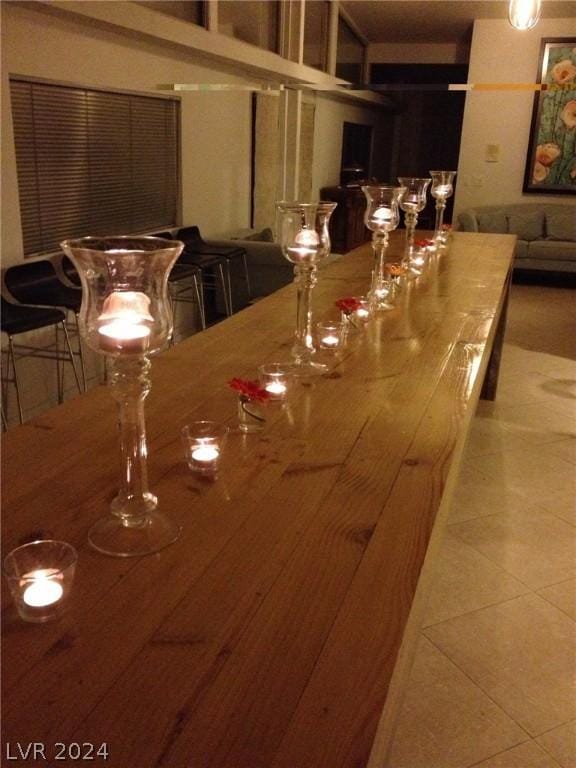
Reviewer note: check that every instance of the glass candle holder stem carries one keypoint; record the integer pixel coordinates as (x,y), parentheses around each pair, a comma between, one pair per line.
(130,385)
(410,221)
(379,293)
(305,279)
(440,206)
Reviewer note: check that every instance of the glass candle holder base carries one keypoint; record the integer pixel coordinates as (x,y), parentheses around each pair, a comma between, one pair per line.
(380,300)
(309,368)
(114,536)
(251,416)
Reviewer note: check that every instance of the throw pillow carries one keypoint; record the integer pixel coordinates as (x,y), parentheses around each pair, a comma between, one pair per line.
(493,222)
(528,226)
(561,224)
(264,236)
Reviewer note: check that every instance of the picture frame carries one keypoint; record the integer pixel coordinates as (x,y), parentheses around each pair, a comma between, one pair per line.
(551,159)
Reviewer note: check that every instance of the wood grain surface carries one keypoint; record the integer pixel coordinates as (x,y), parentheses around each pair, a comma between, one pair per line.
(267,636)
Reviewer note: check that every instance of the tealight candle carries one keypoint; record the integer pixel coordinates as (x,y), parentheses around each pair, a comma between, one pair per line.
(203,442)
(40,575)
(362,314)
(42,587)
(274,378)
(205,453)
(122,323)
(276,388)
(330,335)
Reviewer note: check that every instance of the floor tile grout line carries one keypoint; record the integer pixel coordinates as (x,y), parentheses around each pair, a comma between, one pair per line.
(485,693)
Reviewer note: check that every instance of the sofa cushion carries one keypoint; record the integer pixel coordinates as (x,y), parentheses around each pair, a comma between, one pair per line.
(561,224)
(265,236)
(493,222)
(521,251)
(528,226)
(553,249)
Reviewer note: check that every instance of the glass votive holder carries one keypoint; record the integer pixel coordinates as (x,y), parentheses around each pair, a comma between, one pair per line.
(275,379)
(203,445)
(418,259)
(331,335)
(40,575)
(364,311)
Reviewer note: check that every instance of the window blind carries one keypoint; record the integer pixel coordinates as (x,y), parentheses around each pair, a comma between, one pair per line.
(93,162)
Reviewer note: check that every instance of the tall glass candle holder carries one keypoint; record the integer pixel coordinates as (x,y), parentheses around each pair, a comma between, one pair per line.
(412,202)
(441,189)
(381,217)
(125,315)
(305,241)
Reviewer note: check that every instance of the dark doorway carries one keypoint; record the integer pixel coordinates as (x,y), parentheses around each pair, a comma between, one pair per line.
(430,120)
(356,153)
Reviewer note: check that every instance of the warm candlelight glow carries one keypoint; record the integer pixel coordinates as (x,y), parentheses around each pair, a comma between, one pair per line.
(442,190)
(382,216)
(43,590)
(276,388)
(331,341)
(123,319)
(205,453)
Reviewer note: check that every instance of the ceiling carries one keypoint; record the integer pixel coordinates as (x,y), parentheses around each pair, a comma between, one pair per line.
(435,21)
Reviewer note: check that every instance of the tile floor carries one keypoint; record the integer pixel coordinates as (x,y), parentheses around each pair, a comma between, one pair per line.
(493,684)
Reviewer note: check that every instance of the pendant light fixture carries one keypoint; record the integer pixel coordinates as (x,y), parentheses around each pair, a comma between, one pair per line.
(524,14)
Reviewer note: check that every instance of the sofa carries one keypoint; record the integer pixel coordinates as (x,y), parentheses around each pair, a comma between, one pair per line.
(269,269)
(546,232)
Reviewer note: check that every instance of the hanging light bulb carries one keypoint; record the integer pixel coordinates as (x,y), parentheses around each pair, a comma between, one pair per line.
(524,14)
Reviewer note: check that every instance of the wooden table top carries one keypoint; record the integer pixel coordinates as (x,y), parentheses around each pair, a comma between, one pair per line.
(268,634)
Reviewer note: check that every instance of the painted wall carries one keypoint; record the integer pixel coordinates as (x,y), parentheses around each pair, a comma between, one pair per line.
(500,54)
(330,117)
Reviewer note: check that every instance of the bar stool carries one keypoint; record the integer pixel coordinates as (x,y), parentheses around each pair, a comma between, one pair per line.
(196,244)
(183,280)
(37,283)
(17,319)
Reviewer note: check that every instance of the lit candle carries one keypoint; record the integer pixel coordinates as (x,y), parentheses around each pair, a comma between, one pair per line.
(276,388)
(205,453)
(442,190)
(122,324)
(305,245)
(43,590)
(362,313)
(381,217)
(331,341)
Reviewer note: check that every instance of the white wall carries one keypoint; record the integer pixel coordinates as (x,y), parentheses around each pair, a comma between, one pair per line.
(500,54)
(328,128)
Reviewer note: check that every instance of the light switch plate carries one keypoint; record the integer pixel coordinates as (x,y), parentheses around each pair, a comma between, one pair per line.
(492,154)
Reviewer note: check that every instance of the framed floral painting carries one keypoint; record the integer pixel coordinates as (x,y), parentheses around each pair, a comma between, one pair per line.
(551,162)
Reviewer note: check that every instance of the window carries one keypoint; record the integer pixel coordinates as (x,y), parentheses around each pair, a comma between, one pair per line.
(349,54)
(93,162)
(253,21)
(316,16)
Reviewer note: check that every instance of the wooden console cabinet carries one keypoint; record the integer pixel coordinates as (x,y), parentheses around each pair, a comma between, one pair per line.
(347,230)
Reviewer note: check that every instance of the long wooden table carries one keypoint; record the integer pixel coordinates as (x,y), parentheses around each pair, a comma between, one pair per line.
(274,633)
